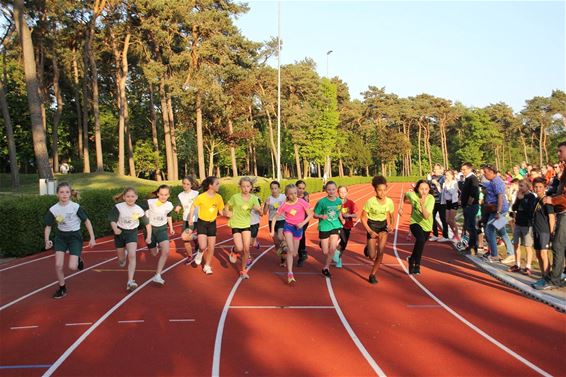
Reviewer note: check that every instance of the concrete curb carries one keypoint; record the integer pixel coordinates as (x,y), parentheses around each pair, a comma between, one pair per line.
(525,289)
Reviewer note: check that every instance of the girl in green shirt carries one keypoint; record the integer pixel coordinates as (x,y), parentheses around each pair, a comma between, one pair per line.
(239,209)
(422,204)
(377,217)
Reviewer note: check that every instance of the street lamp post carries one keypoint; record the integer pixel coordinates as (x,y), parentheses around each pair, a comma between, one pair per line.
(327,55)
(279,90)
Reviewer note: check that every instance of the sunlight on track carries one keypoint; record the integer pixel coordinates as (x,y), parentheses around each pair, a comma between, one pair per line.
(453,312)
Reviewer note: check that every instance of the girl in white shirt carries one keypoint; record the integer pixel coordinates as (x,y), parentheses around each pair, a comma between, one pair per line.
(449,197)
(186,199)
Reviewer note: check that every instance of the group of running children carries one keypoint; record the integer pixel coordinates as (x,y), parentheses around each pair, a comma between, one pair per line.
(289,215)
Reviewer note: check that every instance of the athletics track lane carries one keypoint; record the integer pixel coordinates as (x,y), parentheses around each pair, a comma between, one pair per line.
(158,346)
(432,341)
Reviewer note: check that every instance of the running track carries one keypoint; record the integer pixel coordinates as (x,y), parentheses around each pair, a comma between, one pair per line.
(451,320)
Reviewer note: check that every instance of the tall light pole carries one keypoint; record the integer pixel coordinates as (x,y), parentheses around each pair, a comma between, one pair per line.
(279,90)
(327,54)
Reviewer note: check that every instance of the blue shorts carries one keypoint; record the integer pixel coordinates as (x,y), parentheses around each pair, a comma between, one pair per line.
(296,232)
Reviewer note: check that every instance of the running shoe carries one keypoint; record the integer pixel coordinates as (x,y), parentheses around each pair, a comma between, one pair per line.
(290,278)
(526,271)
(372,279)
(158,279)
(326,272)
(339,263)
(122,263)
(198,258)
(131,285)
(207,269)
(60,292)
(257,245)
(336,257)
(190,259)
(433,238)
(249,262)
(514,268)
(543,285)
(233,257)
(443,239)
(81,264)
(244,274)
(417,269)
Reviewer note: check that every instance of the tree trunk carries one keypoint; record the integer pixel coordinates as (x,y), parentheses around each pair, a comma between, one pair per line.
(254,160)
(95,101)
(173,138)
(154,135)
(232,150)
(131,163)
(32,87)
(200,146)
(420,159)
(524,147)
(78,101)
(56,117)
(340,168)
(211,160)
(166,129)
(86,101)
(318,173)
(14,171)
(427,144)
(540,144)
(297,160)
(367,170)
(273,174)
(306,170)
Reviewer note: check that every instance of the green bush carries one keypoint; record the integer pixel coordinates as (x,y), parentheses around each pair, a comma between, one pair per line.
(21,232)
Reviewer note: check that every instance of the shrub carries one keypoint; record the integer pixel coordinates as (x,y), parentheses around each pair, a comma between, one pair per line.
(23,225)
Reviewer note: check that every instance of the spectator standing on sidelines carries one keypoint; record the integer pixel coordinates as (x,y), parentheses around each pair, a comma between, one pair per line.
(496,208)
(559,241)
(436,182)
(470,199)
(523,208)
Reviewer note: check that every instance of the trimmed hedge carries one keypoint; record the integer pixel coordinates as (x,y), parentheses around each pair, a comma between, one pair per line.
(21,232)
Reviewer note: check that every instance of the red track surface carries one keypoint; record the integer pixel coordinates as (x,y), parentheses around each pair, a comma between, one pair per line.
(271,328)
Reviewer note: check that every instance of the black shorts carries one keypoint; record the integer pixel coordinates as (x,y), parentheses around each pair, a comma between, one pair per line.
(158,234)
(207,228)
(451,205)
(127,236)
(377,226)
(240,230)
(324,235)
(344,237)
(254,228)
(279,224)
(541,241)
(72,241)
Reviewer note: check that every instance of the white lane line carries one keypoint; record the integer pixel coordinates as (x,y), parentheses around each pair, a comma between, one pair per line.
(91,329)
(87,251)
(66,278)
(28,262)
(281,307)
(132,321)
(182,320)
(222,320)
(220,329)
(351,332)
(52,284)
(458,316)
(79,324)
(23,327)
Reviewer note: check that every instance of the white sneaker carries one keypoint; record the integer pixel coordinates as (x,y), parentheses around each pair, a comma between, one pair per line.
(207,269)
(443,239)
(433,238)
(131,285)
(509,259)
(158,279)
(122,263)
(198,258)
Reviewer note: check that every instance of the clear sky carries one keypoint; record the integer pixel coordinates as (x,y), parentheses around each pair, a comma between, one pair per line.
(475,52)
